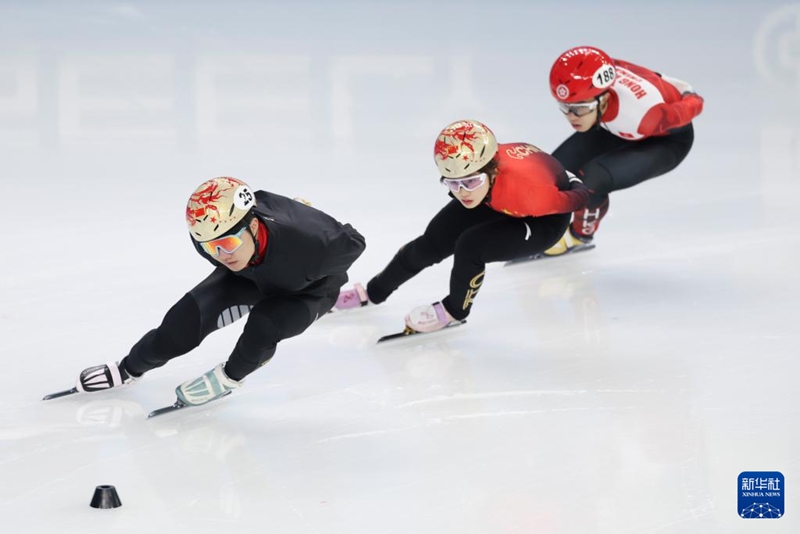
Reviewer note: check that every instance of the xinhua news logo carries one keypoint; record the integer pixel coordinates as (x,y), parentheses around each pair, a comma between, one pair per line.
(762,495)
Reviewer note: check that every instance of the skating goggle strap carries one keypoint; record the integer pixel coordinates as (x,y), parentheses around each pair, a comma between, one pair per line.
(578,109)
(229,243)
(470,183)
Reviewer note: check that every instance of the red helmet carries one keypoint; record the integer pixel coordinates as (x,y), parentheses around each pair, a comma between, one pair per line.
(581,73)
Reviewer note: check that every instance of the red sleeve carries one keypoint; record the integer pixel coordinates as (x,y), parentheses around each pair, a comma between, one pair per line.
(533,183)
(550,201)
(664,117)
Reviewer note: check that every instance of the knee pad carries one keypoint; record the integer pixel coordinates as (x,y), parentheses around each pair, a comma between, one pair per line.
(597,179)
(260,333)
(255,347)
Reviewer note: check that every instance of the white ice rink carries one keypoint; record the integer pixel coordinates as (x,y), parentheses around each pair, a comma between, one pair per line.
(618,391)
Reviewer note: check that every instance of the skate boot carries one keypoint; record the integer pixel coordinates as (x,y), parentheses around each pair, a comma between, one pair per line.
(211,386)
(429,318)
(103,377)
(352,298)
(569,243)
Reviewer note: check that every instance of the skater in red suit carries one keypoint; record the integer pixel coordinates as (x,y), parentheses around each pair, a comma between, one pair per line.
(507,200)
(631,124)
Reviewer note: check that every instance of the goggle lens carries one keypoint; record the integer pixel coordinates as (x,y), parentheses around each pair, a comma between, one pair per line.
(228,244)
(579,110)
(470,183)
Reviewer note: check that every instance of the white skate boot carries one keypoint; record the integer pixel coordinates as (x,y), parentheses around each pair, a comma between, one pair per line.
(352,298)
(429,318)
(211,386)
(103,377)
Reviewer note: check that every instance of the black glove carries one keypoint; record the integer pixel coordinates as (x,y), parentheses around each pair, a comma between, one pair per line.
(576,184)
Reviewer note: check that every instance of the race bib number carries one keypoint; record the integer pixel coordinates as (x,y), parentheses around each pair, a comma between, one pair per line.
(604,76)
(243,198)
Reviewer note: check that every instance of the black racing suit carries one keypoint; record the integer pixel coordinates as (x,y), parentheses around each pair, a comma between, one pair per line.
(609,163)
(297,281)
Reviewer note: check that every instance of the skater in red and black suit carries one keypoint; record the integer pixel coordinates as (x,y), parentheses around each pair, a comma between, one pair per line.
(508,200)
(631,124)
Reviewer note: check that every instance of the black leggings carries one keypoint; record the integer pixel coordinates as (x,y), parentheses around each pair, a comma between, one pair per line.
(609,163)
(218,301)
(475,237)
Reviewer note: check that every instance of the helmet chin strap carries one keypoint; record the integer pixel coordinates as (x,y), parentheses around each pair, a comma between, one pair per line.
(254,258)
(492,177)
(599,111)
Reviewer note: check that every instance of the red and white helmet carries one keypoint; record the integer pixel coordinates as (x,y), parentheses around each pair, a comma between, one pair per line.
(216,206)
(581,73)
(463,148)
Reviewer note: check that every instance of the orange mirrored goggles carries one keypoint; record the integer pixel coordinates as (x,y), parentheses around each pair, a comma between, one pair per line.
(229,244)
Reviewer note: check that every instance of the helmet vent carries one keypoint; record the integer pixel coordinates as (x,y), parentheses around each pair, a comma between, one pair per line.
(230,211)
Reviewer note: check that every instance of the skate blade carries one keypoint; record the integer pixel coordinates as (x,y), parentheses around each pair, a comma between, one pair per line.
(168,409)
(58,394)
(408,332)
(543,256)
(180,405)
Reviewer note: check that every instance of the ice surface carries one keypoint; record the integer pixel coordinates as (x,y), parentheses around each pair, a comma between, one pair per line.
(617,391)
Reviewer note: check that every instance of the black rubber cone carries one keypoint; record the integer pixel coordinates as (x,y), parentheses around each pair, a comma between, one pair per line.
(105,497)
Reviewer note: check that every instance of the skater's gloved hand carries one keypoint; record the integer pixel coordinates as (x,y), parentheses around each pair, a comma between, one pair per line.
(212,385)
(682,87)
(576,184)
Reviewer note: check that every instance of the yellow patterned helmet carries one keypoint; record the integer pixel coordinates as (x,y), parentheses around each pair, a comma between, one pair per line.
(217,206)
(463,148)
